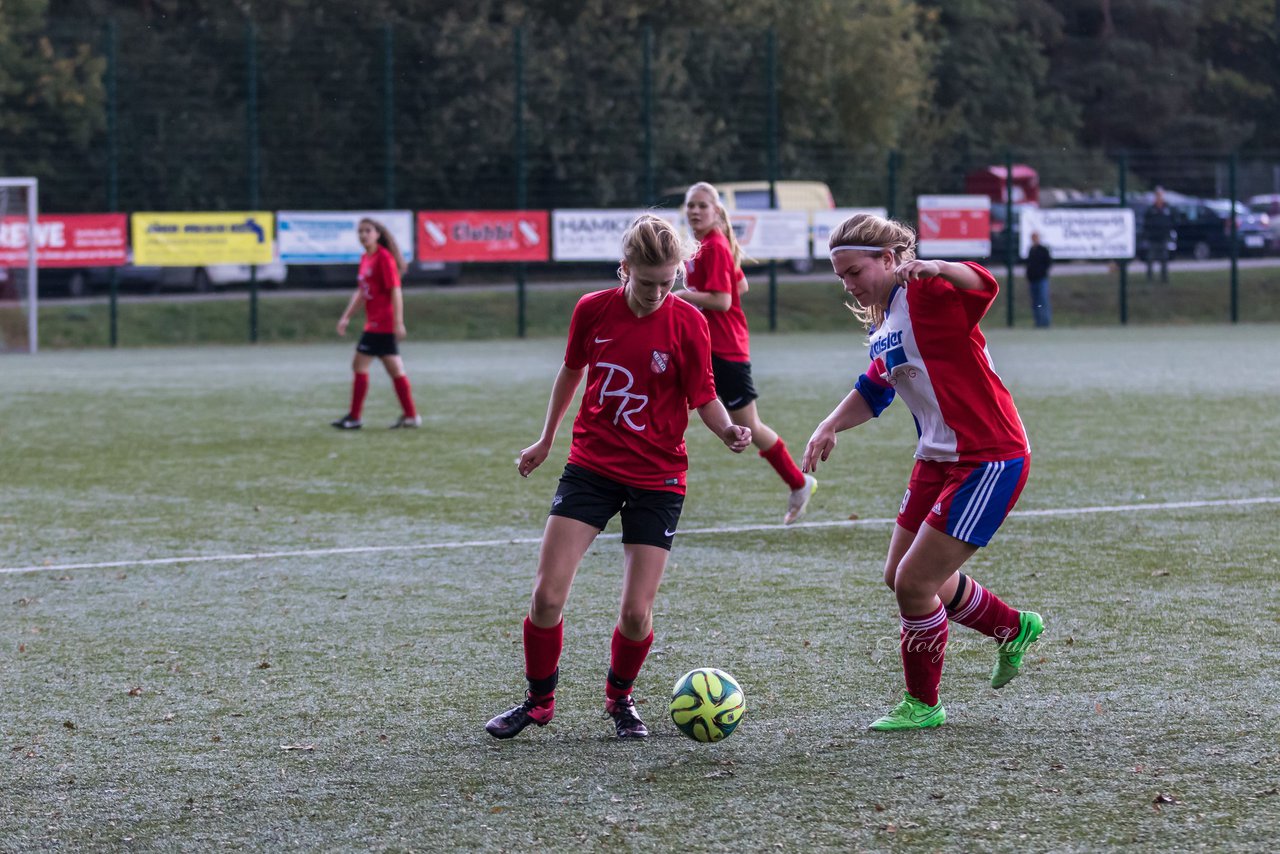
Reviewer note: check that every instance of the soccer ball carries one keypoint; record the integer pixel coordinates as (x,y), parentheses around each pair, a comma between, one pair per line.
(707,704)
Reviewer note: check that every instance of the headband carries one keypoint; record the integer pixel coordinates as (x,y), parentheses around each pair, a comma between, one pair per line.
(835,249)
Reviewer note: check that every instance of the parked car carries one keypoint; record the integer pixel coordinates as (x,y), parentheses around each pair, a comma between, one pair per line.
(1268,204)
(1204,229)
(82,281)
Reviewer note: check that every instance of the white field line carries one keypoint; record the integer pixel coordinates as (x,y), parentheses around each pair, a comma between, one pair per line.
(528,541)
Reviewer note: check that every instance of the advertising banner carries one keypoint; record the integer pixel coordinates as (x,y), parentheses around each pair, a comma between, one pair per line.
(483,236)
(201,239)
(1102,233)
(765,235)
(596,235)
(823,221)
(954,226)
(67,240)
(329,237)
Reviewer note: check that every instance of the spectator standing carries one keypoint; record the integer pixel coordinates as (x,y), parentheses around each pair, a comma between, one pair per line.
(1157,229)
(1039,261)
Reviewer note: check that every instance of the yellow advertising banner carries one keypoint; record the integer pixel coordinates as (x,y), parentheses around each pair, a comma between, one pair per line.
(197,239)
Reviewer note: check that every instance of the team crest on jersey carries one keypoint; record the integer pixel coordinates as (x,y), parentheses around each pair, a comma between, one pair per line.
(659,361)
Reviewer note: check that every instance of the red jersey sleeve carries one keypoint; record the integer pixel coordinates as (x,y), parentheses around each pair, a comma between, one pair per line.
(575,351)
(974,303)
(699,382)
(386,270)
(716,268)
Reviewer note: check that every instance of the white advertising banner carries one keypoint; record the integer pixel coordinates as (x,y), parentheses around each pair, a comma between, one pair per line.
(954,226)
(595,235)
(329,237)
(1102,233)
(824,221)
(772,234)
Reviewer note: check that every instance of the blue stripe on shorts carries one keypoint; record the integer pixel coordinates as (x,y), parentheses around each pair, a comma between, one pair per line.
(981,503)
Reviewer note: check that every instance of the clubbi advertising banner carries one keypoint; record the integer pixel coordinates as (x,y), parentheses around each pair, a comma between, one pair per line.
(67,240)
(824,221)
(595,235)
(772,234)
(483,236)
(329,237)
(199,239)
(1102,233)
(954,226)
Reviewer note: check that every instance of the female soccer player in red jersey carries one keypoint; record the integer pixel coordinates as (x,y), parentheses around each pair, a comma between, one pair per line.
(378,291)
(715,284)
(971,461)
(647,360)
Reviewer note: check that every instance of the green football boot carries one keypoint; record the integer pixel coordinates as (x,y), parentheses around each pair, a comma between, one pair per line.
(910,714)
(1009,654)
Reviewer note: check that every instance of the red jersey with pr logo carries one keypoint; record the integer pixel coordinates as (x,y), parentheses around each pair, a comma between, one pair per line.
(644,374)
(378,275)
(713,270)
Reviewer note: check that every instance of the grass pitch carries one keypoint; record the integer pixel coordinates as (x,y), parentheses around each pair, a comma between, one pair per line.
(164,689)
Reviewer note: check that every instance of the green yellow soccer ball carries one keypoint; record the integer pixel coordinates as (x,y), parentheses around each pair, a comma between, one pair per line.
(707,704)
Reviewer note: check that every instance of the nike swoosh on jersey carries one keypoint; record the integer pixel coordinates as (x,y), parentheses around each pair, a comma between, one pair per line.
(666,533)
(603,340)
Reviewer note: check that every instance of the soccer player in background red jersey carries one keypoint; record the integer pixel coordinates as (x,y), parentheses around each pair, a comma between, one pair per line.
(972,458)
(378,290)
(647,361)
(715,284)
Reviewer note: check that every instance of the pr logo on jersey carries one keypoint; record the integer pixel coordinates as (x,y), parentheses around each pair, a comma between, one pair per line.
(629,404)
(659,361)
(902,508)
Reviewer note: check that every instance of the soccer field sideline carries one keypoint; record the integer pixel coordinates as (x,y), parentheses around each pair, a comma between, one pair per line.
(516,541)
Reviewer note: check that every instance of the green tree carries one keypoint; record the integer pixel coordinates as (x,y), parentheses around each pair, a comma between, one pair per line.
(51,98)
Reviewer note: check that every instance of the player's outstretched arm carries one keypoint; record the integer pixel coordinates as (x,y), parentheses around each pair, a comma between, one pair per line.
(707,300)
(562,391)
(962,276)
(851,412)
(735,437)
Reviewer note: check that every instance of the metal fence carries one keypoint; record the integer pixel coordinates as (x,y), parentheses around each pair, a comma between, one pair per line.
(402,116)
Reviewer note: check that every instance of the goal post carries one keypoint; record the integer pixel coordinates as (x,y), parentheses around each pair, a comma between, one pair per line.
(19,291)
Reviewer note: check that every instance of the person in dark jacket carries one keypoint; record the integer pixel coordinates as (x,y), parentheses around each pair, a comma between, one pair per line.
(1039,260)
(1157,229)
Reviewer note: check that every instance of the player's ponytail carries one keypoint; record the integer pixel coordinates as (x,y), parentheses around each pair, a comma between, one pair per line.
(651,241)
(388,241)
(869,230)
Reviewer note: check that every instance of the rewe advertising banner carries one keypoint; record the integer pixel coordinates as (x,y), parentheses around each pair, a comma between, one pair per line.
(201,239)
(329,237)
(67,240)
(954,226)
(483,236)
(1102,233)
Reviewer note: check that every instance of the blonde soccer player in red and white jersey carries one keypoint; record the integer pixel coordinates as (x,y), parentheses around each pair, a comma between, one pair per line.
(715,284)
(972,457)
(378,290)
(647,362)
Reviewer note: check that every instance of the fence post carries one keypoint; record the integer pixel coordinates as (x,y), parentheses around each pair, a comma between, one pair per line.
(113,172)
(891,205)
(1124,262)
(251,123)
(1010,251)
(1233,166)
(389,114)
(522,189)
(650,184)
(771,70)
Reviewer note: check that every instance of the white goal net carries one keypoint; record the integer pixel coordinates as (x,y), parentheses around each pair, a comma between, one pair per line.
(18,280)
